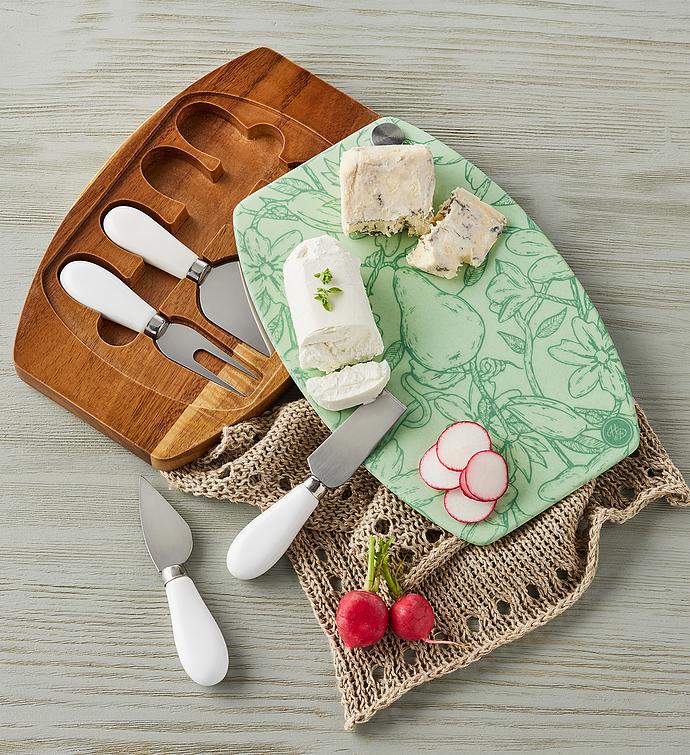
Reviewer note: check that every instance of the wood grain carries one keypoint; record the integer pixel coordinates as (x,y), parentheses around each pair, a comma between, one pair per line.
(580,110)
(187,166)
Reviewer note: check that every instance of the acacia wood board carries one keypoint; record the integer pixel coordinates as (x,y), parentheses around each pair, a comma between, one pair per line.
(236,129)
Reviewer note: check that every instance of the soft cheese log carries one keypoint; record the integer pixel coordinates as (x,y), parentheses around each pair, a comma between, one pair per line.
(387,188)
(351,386)
(463,231)
(347,334)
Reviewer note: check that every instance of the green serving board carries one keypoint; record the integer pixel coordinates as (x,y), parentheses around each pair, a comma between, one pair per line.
(515,344)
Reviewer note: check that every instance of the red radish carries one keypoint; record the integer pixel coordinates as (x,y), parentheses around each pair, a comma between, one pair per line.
(362,616)
(486,476)
(459,442)
(412,617)
(465,509)
(434,474)
(463,486)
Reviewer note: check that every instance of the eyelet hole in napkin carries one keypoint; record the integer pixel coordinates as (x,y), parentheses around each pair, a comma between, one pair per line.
(533,591)
(461,581)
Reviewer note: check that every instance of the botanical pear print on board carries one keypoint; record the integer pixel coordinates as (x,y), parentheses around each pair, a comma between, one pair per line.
(514,344)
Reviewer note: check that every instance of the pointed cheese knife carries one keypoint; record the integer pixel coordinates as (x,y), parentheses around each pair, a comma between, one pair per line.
(199,641)
(222,294)
(266,538)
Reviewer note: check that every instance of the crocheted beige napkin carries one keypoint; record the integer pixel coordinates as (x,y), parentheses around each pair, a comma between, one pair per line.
(483,596)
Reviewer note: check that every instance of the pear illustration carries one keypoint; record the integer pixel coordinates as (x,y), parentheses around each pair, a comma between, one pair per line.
(441,330)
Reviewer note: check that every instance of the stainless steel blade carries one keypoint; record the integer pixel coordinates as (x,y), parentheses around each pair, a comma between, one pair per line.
(337,458)
(180,343)
(166,534)
(226,302)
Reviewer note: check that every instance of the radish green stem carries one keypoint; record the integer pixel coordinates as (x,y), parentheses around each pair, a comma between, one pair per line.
(391,579)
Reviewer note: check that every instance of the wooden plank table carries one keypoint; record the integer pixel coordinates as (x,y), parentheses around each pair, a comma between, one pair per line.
(581,111)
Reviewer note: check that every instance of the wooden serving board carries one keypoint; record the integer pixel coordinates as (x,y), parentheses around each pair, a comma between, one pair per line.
(515,344)
(239,127)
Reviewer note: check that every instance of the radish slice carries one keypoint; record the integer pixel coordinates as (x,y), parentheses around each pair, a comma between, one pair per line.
(463,486)
(486,476)
(459,442)
(434,474)
(465,509)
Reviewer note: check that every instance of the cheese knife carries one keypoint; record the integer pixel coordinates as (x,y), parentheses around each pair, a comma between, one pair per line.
(266,538)
(222,294)
(199,641)
(97,288)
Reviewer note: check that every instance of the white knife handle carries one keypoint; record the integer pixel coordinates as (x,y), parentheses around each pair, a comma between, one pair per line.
(97,288)
(266,538)
(199,641)
(139,233)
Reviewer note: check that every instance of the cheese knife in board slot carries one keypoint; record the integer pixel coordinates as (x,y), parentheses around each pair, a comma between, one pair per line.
(100,290)
(222,294)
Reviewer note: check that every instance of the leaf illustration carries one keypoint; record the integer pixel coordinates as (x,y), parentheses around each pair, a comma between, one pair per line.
(374,260)
(509,290)
(478,182)
(520,460)
(594,417)
(453,408)
(515,343)
(547,416)
(474,274)
(394,353)
(278,211)
(331,174)
(505,200)
(535,454)
(549,268)
(292,186)
(314,209)
(584,444)
(563,483)
(276,327)
(551,324)
(528,242)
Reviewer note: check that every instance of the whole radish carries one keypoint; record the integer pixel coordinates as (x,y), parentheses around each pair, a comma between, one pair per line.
(411,615)
(362,616)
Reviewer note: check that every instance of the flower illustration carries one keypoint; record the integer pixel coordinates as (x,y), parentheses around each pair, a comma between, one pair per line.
(509,290)
(596,360)
(263,265)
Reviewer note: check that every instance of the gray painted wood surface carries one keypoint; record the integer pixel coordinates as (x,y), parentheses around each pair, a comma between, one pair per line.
(581,111)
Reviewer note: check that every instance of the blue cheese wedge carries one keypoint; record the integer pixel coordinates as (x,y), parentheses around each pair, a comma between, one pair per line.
(463,232)
(386,189)
(351,386)
(339,330)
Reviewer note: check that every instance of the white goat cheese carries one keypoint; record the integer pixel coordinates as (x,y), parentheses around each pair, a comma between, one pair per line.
(347,334)
(387,188)
(351,386)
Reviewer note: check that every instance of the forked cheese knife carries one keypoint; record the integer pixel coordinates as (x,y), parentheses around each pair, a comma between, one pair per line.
(199,641)
(100,290)
(222,294)
(266,538)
